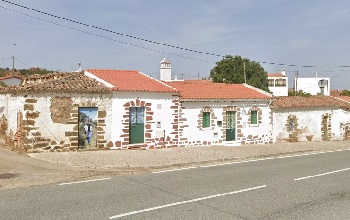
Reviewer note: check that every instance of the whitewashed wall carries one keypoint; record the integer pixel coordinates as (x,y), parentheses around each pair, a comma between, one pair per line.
(193,133)
(12,81)
(279,90)
(164,114)
(9,107)
(309,123)
(310,85)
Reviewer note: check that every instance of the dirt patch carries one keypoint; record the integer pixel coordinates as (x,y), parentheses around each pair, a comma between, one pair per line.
(8,175)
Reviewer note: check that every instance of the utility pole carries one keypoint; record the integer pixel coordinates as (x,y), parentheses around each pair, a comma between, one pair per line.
(198,75)
(245,78)
(296,83)
(13,63)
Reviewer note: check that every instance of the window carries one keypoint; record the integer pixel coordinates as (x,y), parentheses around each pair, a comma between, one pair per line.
(271,82)
(281,83)
(254,117)
(206,119)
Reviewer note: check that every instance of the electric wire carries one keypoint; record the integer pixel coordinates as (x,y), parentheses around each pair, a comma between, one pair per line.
(101,36)
(152,41)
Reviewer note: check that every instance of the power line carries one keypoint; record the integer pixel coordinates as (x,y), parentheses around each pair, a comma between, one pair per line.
(22,62)
(110,31)
(150,41)
(107,38)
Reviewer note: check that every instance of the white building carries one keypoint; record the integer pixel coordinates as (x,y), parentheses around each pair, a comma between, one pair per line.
(315,118)
(145,110)
(11,80)
(313,85)
(278,83)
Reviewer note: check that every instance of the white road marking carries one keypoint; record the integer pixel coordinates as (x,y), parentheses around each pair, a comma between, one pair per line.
(84,181)
(184,202)
(253,160)
(186,168)
(322,174)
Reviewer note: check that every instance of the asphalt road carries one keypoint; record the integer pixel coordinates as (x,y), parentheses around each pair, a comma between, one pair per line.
(312,186)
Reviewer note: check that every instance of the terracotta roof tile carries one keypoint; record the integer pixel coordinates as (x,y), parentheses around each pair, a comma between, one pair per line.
(205,89)
(343,98)
(131,80)
(275,75)
(313,101)
(9,77)
(67,82)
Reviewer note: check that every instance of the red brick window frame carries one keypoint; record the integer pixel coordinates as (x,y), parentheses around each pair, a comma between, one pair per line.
(206,118)
(255,116)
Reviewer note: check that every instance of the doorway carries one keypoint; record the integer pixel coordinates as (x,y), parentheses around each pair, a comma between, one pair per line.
(137,125)
(230,126)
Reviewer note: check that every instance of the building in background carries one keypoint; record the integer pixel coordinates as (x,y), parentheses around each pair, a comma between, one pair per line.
(313,85)
(278,83)
(11,80)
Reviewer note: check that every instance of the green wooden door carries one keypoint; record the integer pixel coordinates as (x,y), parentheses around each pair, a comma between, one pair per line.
(137,125)
(230,126)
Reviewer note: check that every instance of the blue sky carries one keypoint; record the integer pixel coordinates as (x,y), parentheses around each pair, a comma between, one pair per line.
(303,33)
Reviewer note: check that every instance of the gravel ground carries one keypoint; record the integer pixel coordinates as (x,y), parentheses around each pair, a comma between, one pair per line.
(116,159)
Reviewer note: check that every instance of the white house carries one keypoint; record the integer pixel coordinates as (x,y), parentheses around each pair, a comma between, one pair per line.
(278,83)
(11,80)
(145,110)
(313,85)
(316,118)
(224,114)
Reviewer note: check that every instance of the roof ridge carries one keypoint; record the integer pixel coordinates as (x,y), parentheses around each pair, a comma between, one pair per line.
(258,90)
(158,81)
(340,99)
(111,70)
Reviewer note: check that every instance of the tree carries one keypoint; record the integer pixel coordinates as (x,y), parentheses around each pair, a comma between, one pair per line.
(345,93)
(299,93)
(231,69)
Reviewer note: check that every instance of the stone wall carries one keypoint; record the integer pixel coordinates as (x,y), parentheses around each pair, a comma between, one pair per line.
(310,124)
(49,122)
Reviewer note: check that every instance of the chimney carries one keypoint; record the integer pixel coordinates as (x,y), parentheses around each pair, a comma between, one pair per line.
(165,70)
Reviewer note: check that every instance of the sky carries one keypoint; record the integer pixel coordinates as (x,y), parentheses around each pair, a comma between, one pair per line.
(290,34)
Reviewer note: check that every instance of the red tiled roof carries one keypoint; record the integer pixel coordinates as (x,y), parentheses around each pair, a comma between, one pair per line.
(205,89)
(68,82)
(344,98)
(9,77)
(275,75)
(131,80)
(313,101)
(335,92)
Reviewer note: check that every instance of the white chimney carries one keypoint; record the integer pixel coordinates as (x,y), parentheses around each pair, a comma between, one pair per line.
(165,70)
